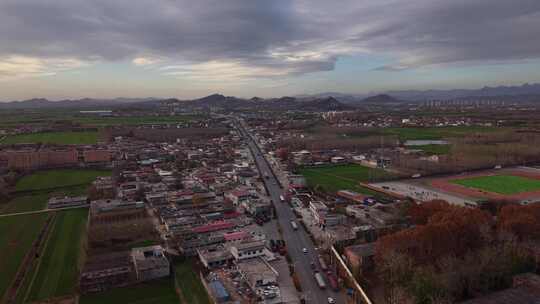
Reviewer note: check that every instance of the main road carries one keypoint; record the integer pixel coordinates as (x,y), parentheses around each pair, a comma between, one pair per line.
(296,240)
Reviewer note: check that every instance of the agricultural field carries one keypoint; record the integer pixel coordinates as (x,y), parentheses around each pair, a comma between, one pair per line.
(154,292)
(334,178)
(434,149)
(58,270)
(133,120)
(53,179)
(501,184)
(61,138)
(16,237)
(25,203)
(434,133)
(193,291)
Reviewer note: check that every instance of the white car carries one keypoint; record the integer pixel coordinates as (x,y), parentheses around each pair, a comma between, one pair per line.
(304,250)
(331,300)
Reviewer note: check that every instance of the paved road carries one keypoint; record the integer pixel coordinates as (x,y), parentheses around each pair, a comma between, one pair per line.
(295,240)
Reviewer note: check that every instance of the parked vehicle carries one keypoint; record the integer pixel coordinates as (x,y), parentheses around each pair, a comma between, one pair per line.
(332,280)
(320,280)
(322,263)
(294,225)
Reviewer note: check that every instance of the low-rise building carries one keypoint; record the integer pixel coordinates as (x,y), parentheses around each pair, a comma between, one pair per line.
(318,210)
(257,273)
(248,250)
(360,257)
(150,263)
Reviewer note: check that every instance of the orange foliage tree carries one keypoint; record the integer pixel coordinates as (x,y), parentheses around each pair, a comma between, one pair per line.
(522,221)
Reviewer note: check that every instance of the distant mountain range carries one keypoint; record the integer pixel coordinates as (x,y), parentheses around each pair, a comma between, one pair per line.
(91,103)
(329,101)
(423,95)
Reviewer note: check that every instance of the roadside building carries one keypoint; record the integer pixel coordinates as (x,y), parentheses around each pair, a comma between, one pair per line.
(257,273)
(248,250)
(360,257)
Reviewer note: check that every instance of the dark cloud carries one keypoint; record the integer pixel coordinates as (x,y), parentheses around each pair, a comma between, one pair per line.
(296,36)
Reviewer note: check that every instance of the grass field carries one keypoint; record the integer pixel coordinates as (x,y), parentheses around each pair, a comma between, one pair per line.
(50,179)
(16,237)
(155,292)
(334,178)
(502,184)
(61,138)
(190,284)
(58,271)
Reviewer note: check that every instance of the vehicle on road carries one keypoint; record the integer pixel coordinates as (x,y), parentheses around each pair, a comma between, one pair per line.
(294,226)
(331,300)
(333,281)
(281,198)
(322,263)
(320,280)
(304,250)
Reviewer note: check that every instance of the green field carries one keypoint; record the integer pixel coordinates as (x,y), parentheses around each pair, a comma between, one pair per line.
(61,138)
(434,133)
(133,120)
(16,237)
(190,284)
(342,177)
(434,149)
(24,204)
(51,179)
(155,292)
(11,118)
(58,271)
(502,184)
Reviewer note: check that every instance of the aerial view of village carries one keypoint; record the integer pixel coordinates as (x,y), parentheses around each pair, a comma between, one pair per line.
(222,200)
(270,152)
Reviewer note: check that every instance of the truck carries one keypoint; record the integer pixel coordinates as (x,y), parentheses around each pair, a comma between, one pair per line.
(294,225)
(322,263)
(320,280)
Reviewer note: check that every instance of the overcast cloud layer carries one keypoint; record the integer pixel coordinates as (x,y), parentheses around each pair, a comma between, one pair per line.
(236,40)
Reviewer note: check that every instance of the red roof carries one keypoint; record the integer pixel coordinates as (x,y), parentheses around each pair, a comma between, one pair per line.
(230,215)
(235,235)
(213,227)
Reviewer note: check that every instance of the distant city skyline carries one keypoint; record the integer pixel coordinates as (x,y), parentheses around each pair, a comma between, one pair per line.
(185,49)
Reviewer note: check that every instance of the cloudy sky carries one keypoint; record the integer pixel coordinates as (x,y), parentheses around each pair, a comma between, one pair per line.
(185,48)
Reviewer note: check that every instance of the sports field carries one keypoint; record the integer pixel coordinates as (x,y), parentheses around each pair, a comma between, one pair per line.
(334,178)
(61,138)
(52,179)
(17,233)
(502,184)
(154,292)
(58,271)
